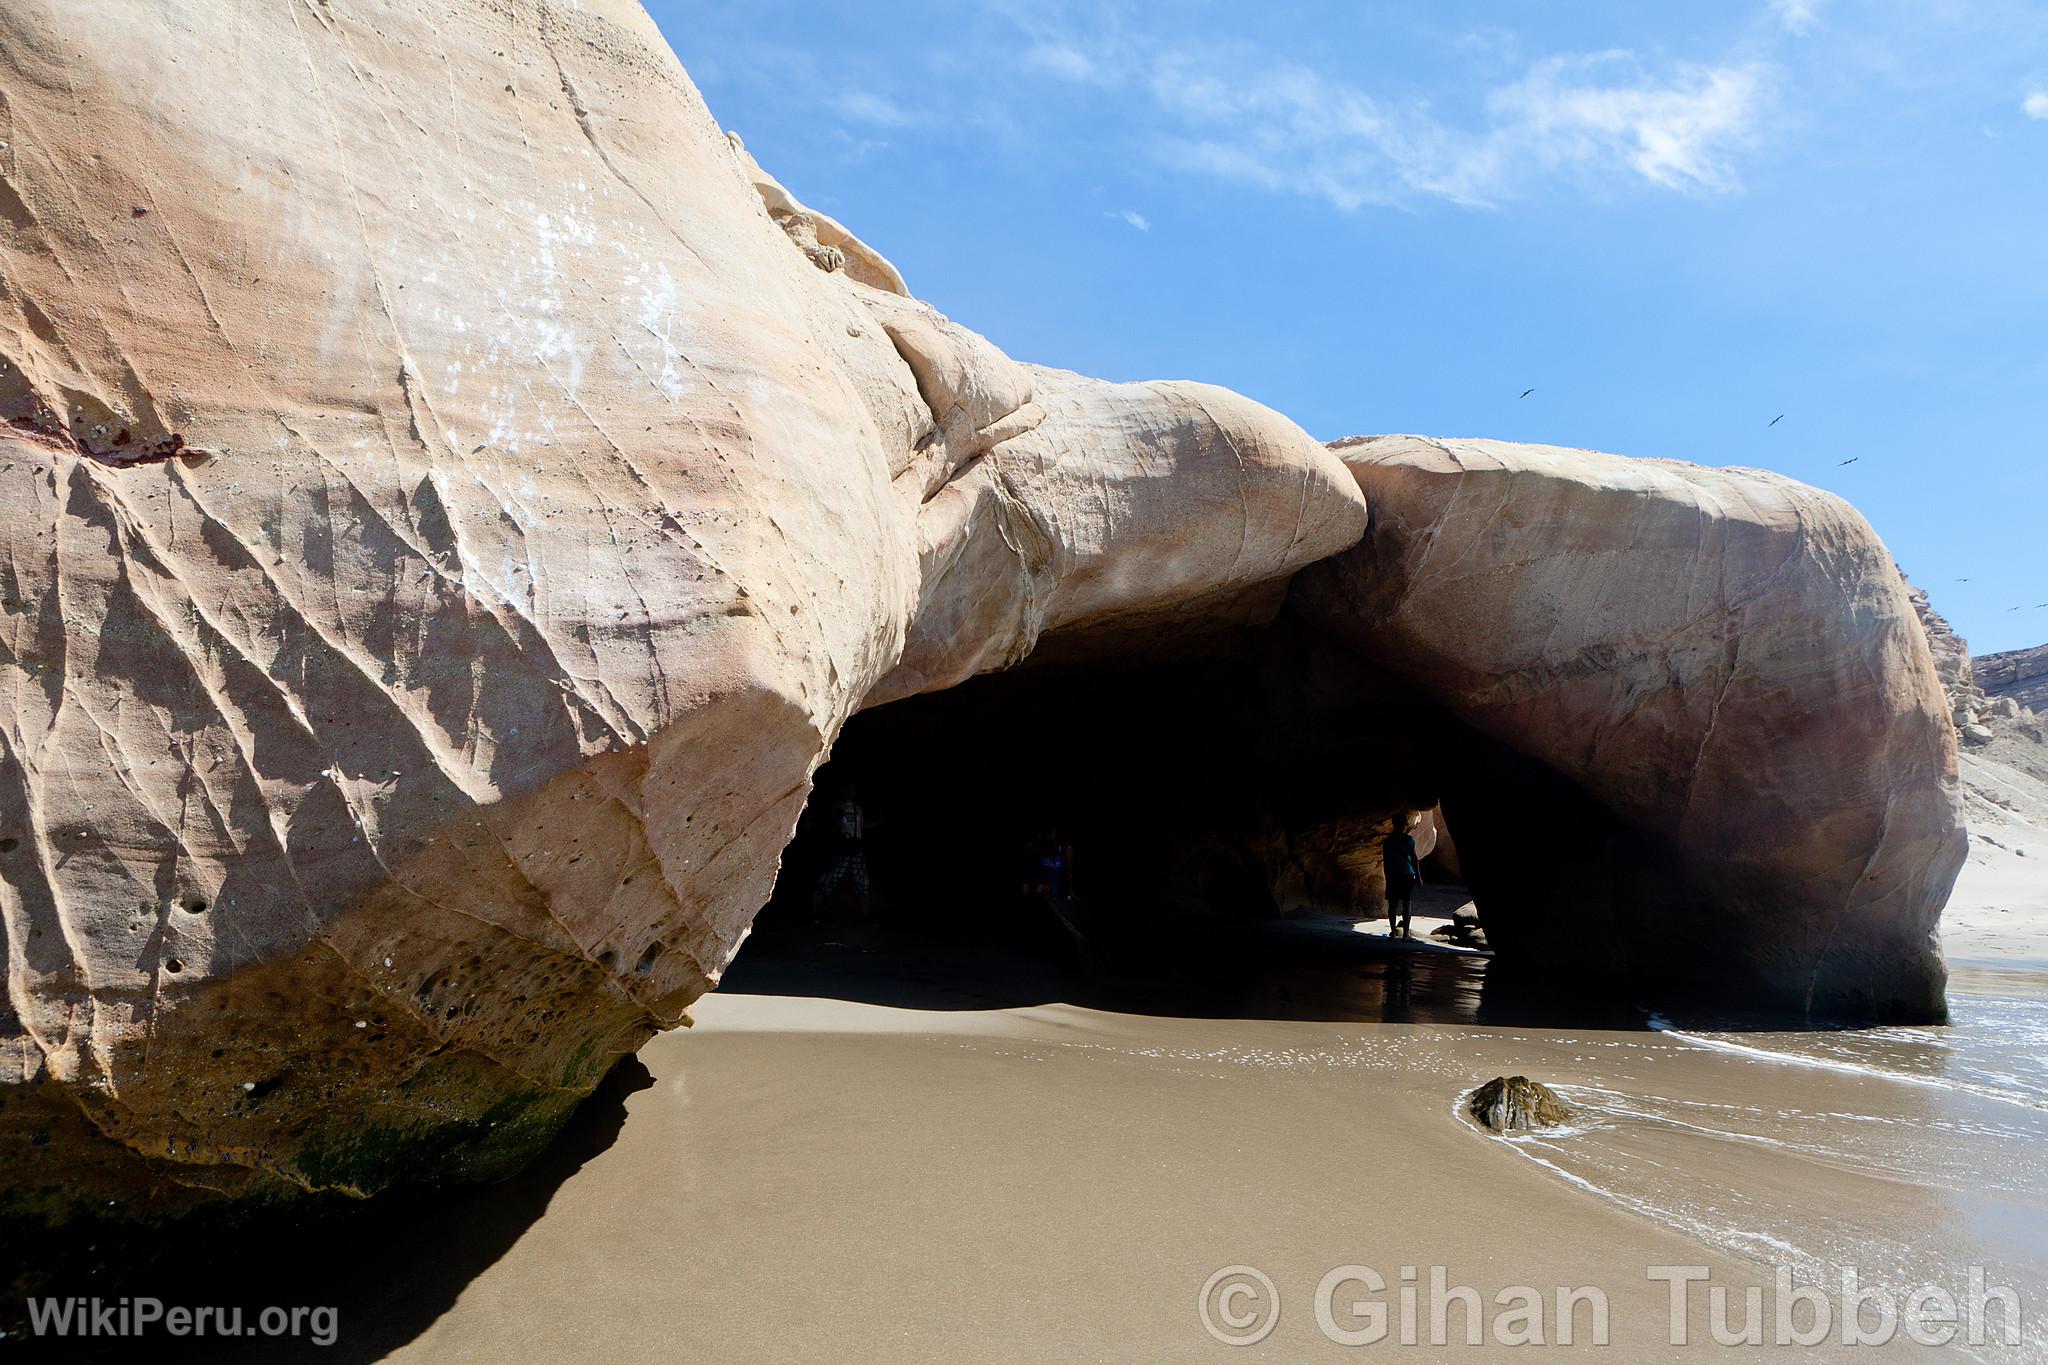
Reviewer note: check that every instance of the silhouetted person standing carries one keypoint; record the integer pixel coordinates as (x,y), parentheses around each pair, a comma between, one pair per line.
(849,859)
(1049,865)
(1404,874)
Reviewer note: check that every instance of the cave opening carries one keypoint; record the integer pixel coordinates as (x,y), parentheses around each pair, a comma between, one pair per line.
(1225,796)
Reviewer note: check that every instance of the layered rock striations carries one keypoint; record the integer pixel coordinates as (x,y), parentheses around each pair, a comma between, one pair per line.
(1974,712)
(454,499)
(2017,675)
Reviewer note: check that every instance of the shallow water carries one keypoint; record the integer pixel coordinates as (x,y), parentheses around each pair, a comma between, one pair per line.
(1910,1154)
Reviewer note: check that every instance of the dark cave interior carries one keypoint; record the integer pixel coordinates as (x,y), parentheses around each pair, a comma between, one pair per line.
(1206,786)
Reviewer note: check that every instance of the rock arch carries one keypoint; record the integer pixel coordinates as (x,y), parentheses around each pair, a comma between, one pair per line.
(524,513)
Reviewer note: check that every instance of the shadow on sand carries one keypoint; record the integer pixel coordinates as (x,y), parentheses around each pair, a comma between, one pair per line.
(389,1267)
(1302,967)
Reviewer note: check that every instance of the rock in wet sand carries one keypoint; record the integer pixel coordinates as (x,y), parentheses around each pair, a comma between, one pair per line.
(1509,1104)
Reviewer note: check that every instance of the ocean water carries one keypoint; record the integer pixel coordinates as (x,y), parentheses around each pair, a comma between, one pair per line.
(1910,1155)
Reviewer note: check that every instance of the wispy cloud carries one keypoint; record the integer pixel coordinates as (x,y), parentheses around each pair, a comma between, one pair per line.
(1799,16)
(1045,77)
(861,106)
(2035,104)
(1285,126)
(1058,59)
(1131,216)
(1676,132)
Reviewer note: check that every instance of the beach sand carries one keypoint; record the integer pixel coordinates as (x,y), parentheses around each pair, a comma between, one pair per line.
(919,1180)
(819,1179)
(1999,910)
(907,1149)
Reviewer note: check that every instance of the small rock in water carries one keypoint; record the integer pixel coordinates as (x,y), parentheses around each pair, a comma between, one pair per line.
(1508,1104)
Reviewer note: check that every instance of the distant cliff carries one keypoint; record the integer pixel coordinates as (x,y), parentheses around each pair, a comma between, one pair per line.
(2021,674)
(1982,691)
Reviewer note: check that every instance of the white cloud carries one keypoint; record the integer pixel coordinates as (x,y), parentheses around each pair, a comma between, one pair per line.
(1061,60)
(1284,126)
(864,107)
(1237,110)
(1131,216)
(1675,133)
(1799,16)
(2036,104)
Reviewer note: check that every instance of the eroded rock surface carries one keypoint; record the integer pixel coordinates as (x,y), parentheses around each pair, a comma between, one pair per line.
(1978,715)
(447,526)
(444,529)
(1513,1104)
(2018,675)
(1951,653)
(1723,668)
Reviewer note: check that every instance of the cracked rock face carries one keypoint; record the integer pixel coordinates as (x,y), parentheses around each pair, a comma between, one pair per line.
(445,532)
(443,535)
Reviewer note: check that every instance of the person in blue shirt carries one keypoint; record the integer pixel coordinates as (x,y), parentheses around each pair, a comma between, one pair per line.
(1049,865)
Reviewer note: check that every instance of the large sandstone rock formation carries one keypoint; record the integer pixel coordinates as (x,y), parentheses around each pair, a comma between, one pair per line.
(1723,664)
(447,520)
(454,499)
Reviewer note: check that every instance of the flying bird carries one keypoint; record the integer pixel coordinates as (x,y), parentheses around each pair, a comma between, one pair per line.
(1851,460)
(1524,394)
(1774,421)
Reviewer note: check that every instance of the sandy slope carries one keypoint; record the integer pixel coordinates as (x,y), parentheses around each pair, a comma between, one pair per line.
(2000,907)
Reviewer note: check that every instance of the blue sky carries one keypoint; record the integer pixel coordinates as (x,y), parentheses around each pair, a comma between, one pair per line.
(1673,221)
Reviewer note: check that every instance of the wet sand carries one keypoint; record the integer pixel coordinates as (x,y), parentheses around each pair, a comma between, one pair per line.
(920,1180)
(833,1180)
